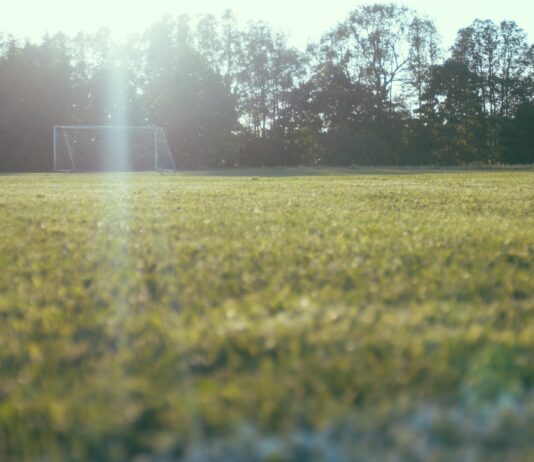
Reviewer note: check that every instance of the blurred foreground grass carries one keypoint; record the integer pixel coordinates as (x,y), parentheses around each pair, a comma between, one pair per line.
(267,318)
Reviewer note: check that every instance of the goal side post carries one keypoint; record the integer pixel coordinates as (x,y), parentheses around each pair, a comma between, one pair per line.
(60,165)
(161,144)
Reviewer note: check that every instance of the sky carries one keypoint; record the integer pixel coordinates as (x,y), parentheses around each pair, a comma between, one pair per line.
(303,20)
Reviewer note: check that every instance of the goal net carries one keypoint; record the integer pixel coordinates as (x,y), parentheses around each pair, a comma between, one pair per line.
(89,148)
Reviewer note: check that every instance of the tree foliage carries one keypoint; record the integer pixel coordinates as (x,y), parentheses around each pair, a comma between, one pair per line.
(377,89)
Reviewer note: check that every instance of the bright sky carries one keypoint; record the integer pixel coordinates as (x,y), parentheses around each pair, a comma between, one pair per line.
(304,20)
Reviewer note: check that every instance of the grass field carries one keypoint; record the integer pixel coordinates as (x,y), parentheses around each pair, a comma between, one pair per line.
(334,316)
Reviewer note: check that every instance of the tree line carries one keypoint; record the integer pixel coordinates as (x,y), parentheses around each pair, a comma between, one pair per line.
(377,89)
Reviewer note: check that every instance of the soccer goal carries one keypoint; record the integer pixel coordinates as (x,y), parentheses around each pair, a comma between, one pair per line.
(92,148)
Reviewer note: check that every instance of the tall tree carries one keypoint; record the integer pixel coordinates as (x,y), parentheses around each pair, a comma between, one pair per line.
(187,97)
(270,71)
(453,108)
(499,56)
(34,96)
(380,46)
(424,53)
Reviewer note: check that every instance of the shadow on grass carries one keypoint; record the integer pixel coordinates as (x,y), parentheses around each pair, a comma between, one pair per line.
(349,171)
(310,171)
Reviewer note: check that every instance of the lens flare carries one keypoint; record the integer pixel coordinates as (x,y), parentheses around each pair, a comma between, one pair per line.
(117,144)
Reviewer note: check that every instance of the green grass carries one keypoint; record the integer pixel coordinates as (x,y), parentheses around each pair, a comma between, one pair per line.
(149,314)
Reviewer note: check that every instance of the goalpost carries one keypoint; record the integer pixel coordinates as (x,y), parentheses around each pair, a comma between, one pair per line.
(94,148)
